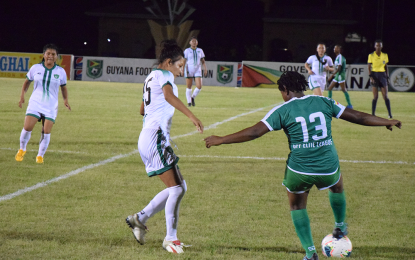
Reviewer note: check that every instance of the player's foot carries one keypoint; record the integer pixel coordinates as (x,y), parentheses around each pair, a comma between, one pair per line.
(139,229)
(338,233)
(193,102)
(349,106)
(20,154)
(390,116)
(174,247)
(189,104)
(39,159)
(314,257)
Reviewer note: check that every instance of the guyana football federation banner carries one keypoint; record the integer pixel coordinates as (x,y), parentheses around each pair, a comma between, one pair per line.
(17,64)
(136,71)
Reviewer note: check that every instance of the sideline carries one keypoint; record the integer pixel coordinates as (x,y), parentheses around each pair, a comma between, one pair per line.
(284,159)
(112,159)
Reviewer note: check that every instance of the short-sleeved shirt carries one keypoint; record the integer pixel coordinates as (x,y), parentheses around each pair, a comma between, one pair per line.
(158,112)
(307,123)
(193,57)
(340,61)
(317,67)
(46,85)
(378,62)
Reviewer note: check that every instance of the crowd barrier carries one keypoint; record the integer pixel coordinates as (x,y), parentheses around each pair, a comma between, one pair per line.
(231,74)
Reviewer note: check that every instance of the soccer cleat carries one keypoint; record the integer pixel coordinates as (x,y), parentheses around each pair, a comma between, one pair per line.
(174,247)
(349,106)
(39,159)
(338,233)
(189,104)
(20,154)
(193,102)
(139,229)
(314,257)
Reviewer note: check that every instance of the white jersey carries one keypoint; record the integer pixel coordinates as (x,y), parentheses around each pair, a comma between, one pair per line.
(158,112)
(193,57)
(46,85)
(317,67)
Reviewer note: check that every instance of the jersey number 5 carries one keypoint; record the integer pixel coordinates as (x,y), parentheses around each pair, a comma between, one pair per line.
(312,119)
(147,90)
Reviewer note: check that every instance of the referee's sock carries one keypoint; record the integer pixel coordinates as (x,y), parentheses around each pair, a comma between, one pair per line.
(388,106)
(374,101)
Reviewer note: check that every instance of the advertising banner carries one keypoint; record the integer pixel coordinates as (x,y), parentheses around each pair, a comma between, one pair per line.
(266,74)
(136,71)
(17,64)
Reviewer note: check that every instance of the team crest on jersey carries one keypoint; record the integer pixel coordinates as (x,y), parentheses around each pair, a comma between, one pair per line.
(94,68)
(224,74)
(56,76)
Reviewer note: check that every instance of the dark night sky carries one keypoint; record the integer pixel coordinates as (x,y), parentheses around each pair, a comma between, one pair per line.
(232,24)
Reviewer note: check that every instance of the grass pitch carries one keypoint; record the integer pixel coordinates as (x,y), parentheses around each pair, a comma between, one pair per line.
(235,207)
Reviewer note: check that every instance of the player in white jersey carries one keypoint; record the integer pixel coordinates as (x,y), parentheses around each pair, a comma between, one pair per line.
(48,77)
(194,60)
(160,98)
(317,65)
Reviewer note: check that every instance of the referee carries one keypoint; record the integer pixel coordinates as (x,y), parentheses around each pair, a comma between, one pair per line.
(378,73)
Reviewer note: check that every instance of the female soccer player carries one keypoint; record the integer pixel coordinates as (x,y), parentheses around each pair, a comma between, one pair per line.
(378,73)
(313,159)
(159,102)
(339,76)
(43,103)
(195,57)
(319,63)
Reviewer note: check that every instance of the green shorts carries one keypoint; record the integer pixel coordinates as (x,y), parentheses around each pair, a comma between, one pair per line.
(300,183)
(340,77)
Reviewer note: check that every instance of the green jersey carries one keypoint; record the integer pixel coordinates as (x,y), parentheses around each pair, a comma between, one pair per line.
(307,123)
(340,60)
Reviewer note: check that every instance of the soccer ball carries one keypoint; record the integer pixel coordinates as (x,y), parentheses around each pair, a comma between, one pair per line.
(333,247)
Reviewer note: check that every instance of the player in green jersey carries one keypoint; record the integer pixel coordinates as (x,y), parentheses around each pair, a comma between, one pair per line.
(306,120)
(339,76)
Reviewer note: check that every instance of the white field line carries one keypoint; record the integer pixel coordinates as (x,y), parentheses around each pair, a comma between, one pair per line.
(284,159)
(112,159)
(49,151)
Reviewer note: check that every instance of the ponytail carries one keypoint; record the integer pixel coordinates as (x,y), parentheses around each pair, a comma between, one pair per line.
(170,50)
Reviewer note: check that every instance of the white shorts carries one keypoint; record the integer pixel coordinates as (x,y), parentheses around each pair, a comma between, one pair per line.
(35,110)
(315,81)
(155,151)
(193,72)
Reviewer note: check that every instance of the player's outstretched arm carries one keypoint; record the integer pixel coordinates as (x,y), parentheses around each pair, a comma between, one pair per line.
(361,118)
(178,104)
(245,135)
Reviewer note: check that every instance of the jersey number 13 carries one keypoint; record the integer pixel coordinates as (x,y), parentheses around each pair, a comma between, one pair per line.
(312,118)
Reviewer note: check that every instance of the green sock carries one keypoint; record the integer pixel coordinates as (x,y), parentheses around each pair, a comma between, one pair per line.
(347,98)
(302,227)
(338,204)
(330,93)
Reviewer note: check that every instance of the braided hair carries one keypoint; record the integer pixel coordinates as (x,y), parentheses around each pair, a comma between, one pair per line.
(292,81)
(170,50)
(318,57)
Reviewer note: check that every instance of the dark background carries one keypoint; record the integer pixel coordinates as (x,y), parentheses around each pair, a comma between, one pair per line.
(230,29)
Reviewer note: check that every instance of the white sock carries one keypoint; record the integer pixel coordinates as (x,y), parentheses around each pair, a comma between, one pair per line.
(196,92)
(189,95)
(157,204)
(43,146)
(176,194)
(24,139)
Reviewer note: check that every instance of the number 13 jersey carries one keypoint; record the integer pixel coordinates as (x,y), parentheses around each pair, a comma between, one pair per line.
(307,123)
(158,112)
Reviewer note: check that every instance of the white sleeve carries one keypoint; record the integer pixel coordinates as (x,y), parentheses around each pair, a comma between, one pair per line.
(329,62)
(164,78)
(185,54)
(310,60)
(202,54)
(31,73)
(63,78)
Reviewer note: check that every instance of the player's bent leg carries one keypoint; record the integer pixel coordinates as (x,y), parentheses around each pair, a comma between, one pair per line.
(337,198)
(29,124)
(317,91)
(137,227)
(346,95)
(43,146)
(330,88)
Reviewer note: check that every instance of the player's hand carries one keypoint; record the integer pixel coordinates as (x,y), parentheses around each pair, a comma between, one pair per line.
(311,72)
(67,105)
(212,140)
(198,124)
(21,101)
(372,80)
(394,122)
